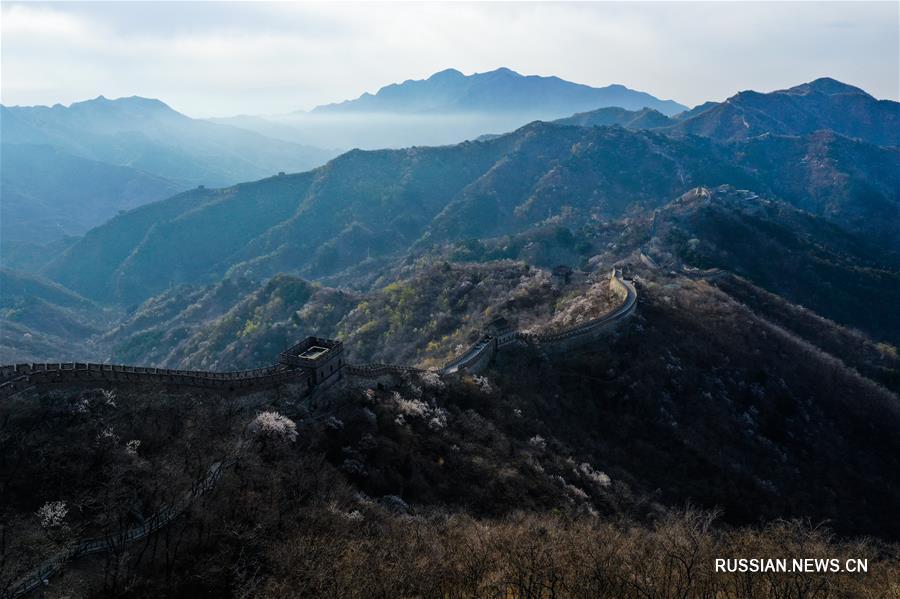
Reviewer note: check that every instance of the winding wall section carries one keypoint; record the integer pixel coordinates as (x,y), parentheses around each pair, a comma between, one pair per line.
(56,562)
(19,377)
(480,354)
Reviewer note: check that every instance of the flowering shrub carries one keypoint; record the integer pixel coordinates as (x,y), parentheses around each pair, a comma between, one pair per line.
(599,478)
(411,407)
(438,419)
(109,397)
(274,425)
(538,441)
(575,492)
(131,448)
(431,380)
(483,384)
(107,434)
(52,514)
(435,417)
(81,405)
(355,516)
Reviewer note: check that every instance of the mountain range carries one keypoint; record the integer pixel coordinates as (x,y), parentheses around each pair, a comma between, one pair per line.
(69,168)
(364,214)
(821,104)
(447,107)
(380,205)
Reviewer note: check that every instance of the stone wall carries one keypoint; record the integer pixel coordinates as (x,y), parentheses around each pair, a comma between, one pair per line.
(478,356)
(19,377)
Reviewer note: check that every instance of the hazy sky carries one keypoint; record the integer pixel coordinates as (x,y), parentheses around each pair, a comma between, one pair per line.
(217,59)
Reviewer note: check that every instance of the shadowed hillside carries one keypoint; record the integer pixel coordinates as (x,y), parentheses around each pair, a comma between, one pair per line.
(699,400)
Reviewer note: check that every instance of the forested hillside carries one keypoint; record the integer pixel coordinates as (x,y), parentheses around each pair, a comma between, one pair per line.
(375,205)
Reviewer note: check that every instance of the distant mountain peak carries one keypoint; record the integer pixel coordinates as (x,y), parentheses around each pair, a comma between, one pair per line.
(445,74)
(824,103)
(503,71)
(827,86)
(138,102)
(499,91)
(645,118)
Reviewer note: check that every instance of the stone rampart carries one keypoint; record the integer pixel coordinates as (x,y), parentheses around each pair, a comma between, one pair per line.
(19,377)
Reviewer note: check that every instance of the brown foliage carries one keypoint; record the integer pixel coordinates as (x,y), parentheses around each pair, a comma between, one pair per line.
(542,556)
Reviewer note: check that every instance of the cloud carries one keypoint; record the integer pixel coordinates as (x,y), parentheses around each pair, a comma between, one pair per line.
(210,58)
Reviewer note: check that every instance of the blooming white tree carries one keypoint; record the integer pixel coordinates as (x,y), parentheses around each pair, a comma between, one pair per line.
(438,420)
(411,407)
(273,425)
(597,477)
(52,514)
(334,423)
(538,441)
(484,385)
(431,380)
(109,397)
(131,448)
(575,492)
(108,434)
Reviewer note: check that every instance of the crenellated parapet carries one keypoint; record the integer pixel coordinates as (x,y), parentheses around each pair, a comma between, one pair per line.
(314,372)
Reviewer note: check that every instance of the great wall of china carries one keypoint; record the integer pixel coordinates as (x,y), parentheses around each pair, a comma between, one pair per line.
(89,546)
(314,363)
(314,372)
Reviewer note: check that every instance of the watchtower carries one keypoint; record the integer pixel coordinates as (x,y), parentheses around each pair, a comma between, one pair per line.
(323,358)
(501,329)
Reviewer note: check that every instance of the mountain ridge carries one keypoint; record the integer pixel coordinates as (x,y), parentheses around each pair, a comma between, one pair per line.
(164,150)
(129,130)
(823,103)
(501,89)
(374,207)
